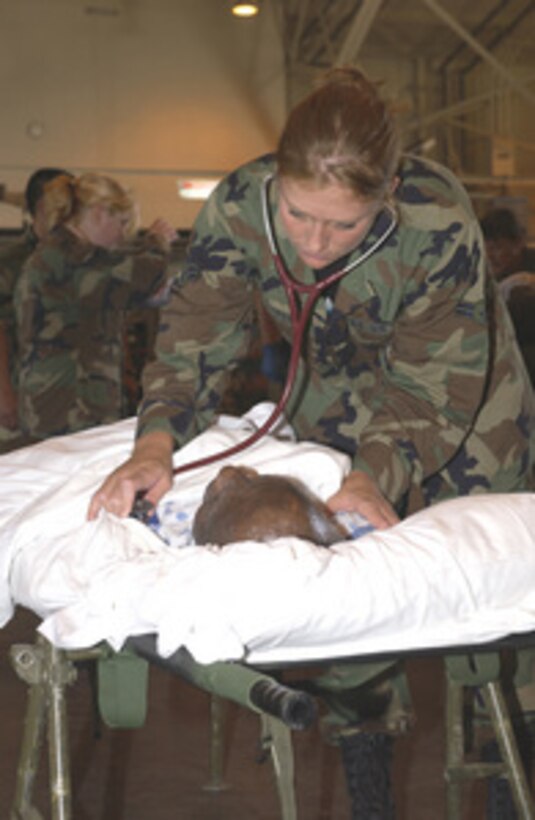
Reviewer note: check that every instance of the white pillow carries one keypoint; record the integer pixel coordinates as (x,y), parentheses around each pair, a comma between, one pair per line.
(462,572)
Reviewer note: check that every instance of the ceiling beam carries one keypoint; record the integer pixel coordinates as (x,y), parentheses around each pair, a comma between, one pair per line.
(358,31)
(456,108)
(486,55)
(302,14)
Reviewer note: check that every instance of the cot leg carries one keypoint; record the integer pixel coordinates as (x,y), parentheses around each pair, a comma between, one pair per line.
(512,764)
(455,745)
(458,770)
(60,673)
(32,740)
(47,671)
(216,782)
(277,739)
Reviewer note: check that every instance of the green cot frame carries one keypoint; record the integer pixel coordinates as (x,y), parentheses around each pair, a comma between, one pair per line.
(122,683)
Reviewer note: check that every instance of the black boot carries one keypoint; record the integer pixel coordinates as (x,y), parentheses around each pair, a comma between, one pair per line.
(367,760)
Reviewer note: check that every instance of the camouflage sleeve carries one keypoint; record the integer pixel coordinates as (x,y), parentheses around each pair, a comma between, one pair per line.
(204,329)
(139,272)
(32,360)
(6,295)
(434,371)
(8,275)
(25,301)
(7,322)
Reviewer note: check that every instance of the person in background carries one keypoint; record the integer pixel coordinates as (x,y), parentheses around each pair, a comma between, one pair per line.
(13,255)
(141,325)
(519,293)
(505,242)
(409,364)
(70,301)
(512,264)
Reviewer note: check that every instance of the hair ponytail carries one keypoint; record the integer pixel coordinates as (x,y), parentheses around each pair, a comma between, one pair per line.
(66,198)
(59,200)
(342,132)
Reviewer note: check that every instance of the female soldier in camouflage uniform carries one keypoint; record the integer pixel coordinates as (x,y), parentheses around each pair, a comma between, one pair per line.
(409,363)
(70,303)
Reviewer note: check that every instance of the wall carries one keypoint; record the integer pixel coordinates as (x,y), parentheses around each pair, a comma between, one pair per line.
(145,90)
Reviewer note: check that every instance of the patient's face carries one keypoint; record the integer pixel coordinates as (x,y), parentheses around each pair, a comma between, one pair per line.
(240,505)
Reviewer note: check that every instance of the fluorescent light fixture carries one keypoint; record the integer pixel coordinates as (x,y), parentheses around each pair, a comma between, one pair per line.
(245,9)
(196,187)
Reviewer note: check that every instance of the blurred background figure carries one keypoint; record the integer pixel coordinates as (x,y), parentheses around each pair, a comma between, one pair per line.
(13,255)
(512,263)
(505,243)
(141,323)
(519,292)
(71,301)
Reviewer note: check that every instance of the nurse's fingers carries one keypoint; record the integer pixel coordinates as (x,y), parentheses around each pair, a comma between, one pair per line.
(359,493)
(116,495)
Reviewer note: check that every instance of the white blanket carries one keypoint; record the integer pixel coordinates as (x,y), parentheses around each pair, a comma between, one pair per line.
(462,572)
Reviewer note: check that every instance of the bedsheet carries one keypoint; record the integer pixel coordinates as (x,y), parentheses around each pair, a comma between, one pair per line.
(462,572)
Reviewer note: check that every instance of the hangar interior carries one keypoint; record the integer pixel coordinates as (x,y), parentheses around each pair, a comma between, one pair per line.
(158,92)
(155,92)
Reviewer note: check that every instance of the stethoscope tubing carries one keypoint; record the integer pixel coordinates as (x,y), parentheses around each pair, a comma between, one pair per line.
(299,320)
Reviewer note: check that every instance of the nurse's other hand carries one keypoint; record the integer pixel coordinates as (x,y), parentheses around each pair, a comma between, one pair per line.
(359,493)
(149,471)
(164,230)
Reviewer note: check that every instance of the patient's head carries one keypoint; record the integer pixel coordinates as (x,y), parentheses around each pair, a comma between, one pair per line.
(241,505)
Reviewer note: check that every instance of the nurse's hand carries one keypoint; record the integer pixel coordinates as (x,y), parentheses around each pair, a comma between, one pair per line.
(359,493)
(149,470)
(163,230)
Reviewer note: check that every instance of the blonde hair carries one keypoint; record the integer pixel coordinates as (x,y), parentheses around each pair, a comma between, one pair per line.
(342,132)
(67,198)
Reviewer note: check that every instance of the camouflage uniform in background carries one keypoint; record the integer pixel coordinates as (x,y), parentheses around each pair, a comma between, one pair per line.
(13,255)
(141,325)
(410,364)
(70,304)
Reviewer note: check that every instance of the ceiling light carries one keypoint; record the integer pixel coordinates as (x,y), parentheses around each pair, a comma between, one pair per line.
(196,187)
(245,9)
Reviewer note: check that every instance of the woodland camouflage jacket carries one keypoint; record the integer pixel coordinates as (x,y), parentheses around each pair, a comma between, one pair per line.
(13,255)
(410,366)
(70,302)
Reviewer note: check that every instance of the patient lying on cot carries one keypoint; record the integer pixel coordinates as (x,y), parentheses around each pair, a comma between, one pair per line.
(239,504)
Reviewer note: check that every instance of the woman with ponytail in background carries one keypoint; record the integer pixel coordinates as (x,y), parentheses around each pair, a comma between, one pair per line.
(70,302)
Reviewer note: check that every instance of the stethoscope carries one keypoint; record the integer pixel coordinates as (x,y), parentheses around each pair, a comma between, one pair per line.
(299,316)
